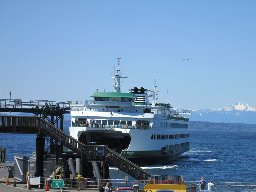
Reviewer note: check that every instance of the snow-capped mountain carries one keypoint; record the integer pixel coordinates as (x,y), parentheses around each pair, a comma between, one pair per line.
(240,107)
(238,113)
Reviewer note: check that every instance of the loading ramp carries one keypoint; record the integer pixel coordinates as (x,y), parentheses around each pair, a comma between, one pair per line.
(93,152)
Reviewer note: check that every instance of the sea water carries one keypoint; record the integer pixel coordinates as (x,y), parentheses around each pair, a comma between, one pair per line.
(216,154)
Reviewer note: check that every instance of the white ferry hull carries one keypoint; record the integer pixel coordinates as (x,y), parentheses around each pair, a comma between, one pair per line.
(131,124)
(154,145)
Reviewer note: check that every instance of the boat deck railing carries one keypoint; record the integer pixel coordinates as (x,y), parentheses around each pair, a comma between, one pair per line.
(110,126)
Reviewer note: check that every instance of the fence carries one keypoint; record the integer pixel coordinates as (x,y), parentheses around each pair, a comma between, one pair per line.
(225,186)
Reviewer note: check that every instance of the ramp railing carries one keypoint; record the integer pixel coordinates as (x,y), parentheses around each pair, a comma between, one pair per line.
(94,152)
(125,165)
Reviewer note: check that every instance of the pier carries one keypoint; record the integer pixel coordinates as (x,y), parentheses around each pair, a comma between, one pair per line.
(47,122)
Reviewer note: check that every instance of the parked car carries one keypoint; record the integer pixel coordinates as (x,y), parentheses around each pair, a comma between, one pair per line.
(124,189)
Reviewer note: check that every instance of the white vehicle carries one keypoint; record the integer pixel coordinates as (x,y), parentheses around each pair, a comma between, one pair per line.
(131,125)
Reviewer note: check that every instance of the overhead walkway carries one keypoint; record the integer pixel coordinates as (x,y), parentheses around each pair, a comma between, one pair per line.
(94,152)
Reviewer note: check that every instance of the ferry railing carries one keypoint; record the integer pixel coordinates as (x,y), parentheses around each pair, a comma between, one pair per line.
(93,184)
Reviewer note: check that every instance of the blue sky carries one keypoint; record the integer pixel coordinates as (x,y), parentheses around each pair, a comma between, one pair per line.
(201,53)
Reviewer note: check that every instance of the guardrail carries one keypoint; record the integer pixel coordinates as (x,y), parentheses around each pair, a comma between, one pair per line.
(138,185)
(226,186)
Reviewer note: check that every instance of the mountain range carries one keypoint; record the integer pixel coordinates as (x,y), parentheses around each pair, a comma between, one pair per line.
(238,113)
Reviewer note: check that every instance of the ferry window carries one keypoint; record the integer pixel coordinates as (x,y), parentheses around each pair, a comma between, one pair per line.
(152,136)
(124,99)
(110,122)
(177,136)
(123,123)
(98,121)
(147,110)
(116,122)
(142,124)
(171,136)
(104,122)
(129,123)
(184,135)
(177,125)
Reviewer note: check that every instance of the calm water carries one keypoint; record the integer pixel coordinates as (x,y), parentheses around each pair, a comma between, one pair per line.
(218,155)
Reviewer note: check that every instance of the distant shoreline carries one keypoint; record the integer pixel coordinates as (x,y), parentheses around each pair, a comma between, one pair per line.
(196,125)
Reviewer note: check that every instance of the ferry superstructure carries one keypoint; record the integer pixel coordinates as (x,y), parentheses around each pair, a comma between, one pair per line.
(130,124)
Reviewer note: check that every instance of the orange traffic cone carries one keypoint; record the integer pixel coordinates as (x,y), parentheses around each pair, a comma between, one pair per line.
(7,181)
(46,188)
(14,182)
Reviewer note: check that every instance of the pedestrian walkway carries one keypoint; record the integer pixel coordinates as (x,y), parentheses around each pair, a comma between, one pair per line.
(23,187)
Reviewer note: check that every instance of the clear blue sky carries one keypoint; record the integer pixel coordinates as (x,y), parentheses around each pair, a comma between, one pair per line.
(201,53)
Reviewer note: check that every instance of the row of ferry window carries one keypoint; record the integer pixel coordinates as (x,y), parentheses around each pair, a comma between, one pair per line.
(119,99)
(83,122)
(173,125)
(94,123)
(177,136)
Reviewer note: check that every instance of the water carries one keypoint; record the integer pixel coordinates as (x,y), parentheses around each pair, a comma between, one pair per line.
(217,154)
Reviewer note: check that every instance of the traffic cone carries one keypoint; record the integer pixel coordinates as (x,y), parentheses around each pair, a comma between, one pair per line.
(14,182)
(7,181)
(46,188)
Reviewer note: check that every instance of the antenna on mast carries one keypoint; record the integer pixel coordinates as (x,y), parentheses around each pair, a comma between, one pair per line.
(154,95)
(118,76)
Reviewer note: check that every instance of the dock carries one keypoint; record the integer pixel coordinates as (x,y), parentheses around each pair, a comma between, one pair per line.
(45,119)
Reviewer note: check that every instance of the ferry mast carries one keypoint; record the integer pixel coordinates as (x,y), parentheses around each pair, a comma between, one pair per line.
(154,93)
(117,77)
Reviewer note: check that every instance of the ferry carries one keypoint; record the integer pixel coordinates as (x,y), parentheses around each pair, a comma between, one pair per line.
(131,124)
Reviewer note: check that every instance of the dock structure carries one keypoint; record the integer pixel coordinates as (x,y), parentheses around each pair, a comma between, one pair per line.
(91,153)
(2,155)
(52,110)
(37,107)
(47,123)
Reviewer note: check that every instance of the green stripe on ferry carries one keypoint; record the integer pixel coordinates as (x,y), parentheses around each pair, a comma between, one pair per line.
(113,94)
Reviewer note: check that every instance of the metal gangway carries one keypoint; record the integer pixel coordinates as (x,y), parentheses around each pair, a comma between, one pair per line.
(93,152)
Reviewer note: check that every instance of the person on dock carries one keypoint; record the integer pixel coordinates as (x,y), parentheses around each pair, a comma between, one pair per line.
(202,184)
(107,188)
(211,186)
